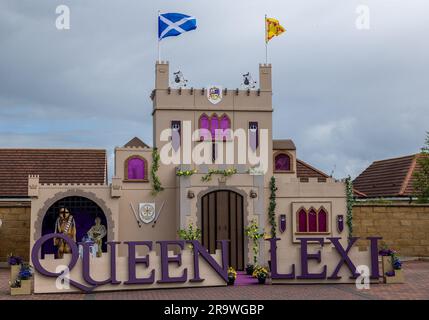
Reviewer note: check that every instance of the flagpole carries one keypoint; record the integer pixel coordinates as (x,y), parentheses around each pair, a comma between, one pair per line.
(266,38)
(159,42)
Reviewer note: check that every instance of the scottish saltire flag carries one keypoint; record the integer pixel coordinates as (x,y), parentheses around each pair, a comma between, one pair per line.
(174,24)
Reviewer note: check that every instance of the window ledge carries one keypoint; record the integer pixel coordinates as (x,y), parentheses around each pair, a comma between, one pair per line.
(135,180)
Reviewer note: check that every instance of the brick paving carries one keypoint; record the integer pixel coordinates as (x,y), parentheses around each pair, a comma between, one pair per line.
(416,287)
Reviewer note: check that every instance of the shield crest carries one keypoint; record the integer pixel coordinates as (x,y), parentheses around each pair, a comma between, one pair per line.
(214,94)
(147,212)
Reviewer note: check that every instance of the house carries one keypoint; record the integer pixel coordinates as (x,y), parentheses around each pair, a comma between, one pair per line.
(390,179)
(52,166)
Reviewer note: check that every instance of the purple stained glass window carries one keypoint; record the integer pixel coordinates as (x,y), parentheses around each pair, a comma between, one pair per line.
(312,221)
(225,125)
(204,124)
(136,169)
(214,124)
(282,162)
(322,219)
(302,221)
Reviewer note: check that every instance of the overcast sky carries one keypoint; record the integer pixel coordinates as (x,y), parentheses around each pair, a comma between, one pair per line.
(345,96)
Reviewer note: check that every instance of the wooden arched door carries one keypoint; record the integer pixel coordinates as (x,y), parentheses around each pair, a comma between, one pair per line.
(222,219)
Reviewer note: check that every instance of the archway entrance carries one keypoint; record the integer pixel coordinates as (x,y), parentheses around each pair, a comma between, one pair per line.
(222,219)
(84,212)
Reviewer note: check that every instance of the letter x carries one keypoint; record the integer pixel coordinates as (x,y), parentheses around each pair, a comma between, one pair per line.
(344,257)
(173,25)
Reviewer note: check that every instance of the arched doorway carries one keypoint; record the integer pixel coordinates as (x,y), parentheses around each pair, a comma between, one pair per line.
(84,212)
(222,219)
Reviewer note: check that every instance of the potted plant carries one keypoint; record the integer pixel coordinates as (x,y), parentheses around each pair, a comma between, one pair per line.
(192,233)
(249,269)
(15,265)
(261,273)
(392,266)
(22,284)
(232,275)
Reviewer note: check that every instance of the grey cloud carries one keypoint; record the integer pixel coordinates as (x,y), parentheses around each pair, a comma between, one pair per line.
(347,97)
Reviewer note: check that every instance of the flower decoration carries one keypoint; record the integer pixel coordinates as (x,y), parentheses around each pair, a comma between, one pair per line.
(232,274)
(14,260)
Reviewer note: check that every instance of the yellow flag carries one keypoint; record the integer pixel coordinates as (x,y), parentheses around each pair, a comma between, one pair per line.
(273,28)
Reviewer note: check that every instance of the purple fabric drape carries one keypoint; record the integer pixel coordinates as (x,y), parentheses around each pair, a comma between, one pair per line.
(282,162)
(136,169)
(302,221)
(312,221)
(322,217)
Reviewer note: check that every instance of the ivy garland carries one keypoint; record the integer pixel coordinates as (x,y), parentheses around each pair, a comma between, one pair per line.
(225,173)
(156,183)
(185,173)
(272,207)
(350,203)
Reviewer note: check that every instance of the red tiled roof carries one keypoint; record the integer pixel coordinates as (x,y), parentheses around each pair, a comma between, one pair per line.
(388,178)
(52,166)
(304,170)
(136,143)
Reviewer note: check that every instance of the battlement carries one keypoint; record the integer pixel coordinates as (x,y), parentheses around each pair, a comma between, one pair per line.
(72,185)
(190,98)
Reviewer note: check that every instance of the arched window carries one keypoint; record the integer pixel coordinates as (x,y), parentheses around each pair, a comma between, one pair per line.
(136,168)
(225,125)
(302,220)
(322,218)
(312,220)
(205,126)
(282,162)
(214,124)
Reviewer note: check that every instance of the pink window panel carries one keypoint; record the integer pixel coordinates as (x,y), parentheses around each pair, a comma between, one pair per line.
(302,221)
(312,221)
(205,126)
(225,125)
(214,125)
(322,219)
(282,162)
(136,169)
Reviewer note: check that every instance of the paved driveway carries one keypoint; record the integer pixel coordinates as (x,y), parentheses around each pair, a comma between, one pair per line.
(416,287)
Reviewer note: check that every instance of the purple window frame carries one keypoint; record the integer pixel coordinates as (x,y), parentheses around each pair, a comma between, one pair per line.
(312,220)
(322,219)
(282,162)
(136,168)
(302,220)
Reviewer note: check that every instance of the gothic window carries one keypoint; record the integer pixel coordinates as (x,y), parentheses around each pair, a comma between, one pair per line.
(204,126)
(213,123)
(302,220)
(282,162)
(225,125)
(312,221)
(322,218)
(136,169)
